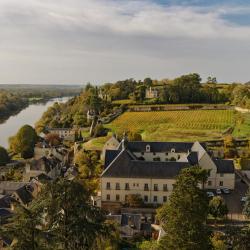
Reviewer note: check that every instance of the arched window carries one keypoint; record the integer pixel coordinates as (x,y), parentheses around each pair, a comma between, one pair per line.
(148,148)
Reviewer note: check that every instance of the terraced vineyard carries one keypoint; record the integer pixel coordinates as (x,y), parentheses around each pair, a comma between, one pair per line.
(175,125)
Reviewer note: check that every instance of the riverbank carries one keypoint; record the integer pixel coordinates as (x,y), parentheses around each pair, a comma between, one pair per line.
(30,115)
(23,105)
(12,109)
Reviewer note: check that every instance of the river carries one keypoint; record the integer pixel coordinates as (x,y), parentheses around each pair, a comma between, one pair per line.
(29,115)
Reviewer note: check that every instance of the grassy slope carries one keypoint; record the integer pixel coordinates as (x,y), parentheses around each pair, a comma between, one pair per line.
(243,128)
(96,143)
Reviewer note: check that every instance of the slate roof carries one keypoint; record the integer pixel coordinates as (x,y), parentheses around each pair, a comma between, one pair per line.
(122,163)
(5,202)
(110,156)
(124,166)
(224,166)
(4,212)
(193,158)
(140,146)
(43,177)
(24,193)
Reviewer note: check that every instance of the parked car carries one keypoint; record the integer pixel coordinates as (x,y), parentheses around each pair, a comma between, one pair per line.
(243,199)
(226,191)
(218,191)
(210,194)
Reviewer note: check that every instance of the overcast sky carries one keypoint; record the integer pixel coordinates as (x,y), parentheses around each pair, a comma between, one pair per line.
(79,41)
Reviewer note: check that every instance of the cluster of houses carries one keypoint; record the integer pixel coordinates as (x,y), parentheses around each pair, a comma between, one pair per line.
(48,164)
(145,169)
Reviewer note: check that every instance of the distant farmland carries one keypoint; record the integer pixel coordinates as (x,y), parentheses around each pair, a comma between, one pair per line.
(175,125)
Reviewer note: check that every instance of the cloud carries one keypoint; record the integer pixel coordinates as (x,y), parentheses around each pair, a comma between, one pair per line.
(84,40)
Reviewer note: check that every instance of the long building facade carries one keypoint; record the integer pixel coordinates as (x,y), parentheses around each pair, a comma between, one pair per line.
(150,169)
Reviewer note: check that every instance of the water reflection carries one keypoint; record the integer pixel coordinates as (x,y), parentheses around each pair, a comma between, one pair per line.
(30,116)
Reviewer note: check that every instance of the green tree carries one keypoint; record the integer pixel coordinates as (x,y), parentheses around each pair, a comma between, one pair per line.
(183,217)
(72,222)
(218,207)
(149,245)
(186,89)
(99,130)
(133,136)
(212,80)
(134,200)
(25,228)
(4,157)
(218,242)
(88,164)
(148,82)
(238,238)
(24,141)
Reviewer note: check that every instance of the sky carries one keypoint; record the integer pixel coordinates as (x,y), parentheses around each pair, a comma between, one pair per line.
(98,41)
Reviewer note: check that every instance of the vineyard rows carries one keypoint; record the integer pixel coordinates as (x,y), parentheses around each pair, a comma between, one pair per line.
(216,120)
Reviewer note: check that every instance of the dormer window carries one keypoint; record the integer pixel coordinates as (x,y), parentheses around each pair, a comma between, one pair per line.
(172,150)
(148,148)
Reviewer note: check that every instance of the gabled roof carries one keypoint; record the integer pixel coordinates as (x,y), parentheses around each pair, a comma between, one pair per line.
(140,146)
(193,158)
(224,166)
(25,195)
(125,166)
(110,155)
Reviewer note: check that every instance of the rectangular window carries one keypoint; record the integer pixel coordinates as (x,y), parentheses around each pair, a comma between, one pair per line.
(117,197)
(221,183)
(165,187)
(164,198)
(126,186)
(108,197)
(146,187)
(154,153)
(108,185)
(155,198)
(145,198)
(209,183)
(117,186)
(142,153)
(155,187)
(166,153)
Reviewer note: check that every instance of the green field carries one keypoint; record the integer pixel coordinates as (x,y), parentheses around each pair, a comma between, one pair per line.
(242,127)
(178,125)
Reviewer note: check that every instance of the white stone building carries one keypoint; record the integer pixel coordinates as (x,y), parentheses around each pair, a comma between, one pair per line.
(152,93)
(150,169)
